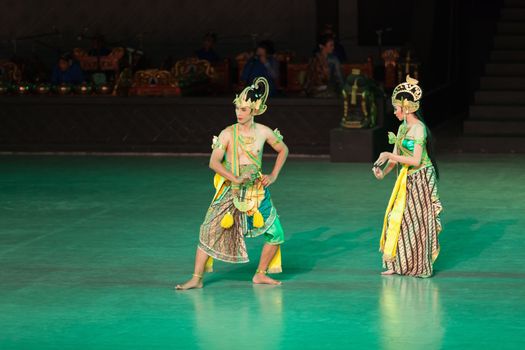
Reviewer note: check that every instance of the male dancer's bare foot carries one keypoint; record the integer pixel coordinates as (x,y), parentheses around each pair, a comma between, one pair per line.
(388,273)
(194,283)
(261,278)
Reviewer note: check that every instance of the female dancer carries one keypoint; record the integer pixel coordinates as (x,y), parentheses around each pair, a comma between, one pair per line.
(409,241)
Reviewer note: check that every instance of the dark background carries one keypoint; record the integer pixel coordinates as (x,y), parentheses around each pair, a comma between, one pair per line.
(450,38)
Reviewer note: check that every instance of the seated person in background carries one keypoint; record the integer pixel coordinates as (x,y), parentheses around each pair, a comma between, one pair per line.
(262,64)
(67,71)
(207,51)
(140,61)
(98,46)
(339,50)
(324,77)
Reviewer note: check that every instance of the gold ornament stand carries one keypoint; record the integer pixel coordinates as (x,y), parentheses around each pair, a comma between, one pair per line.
(352,143)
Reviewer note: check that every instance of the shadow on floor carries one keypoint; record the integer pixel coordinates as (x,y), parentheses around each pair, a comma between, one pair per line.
(301,253)
(466,239)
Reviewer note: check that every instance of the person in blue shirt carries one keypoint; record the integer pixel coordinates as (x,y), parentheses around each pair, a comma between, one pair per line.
(262,64)
(67,71)
(207,51)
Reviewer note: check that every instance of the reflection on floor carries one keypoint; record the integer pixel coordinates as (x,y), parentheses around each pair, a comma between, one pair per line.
(91,247)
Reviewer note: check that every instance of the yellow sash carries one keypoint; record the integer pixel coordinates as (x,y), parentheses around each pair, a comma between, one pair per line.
(275,263)
(394,216)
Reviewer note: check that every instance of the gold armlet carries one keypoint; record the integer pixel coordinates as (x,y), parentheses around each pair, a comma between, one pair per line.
(278,136)
(216,144)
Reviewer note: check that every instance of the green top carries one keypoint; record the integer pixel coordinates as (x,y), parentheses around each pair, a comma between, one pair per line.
(407,137)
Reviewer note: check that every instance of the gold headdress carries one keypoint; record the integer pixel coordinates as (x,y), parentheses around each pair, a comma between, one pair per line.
(411,92)
(254,96)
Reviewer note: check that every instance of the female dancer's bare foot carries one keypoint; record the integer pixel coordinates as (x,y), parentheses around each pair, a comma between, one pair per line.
(194,283)
(388,273)
(260,278)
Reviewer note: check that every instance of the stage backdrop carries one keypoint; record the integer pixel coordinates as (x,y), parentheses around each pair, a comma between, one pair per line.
(164,124)
(162,27)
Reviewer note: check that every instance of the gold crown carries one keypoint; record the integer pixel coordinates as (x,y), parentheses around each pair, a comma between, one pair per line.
(258,105)
(409,87)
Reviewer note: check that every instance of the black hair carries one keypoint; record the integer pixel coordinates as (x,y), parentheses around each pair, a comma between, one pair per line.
(430,142)
(65,57)
(324,39)
(405,96)
(267,45)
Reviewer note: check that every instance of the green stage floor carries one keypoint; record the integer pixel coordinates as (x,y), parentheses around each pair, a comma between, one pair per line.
(91,247)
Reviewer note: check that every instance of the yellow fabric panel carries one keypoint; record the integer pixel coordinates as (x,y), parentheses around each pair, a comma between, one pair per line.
(393,216)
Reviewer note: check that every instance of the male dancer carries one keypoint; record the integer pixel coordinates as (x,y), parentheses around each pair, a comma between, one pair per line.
(242,206)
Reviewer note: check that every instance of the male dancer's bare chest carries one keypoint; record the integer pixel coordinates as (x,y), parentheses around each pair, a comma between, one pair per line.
(247,147)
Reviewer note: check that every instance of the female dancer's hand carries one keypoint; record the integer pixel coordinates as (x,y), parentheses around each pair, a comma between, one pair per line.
(383,158)
(378,173)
